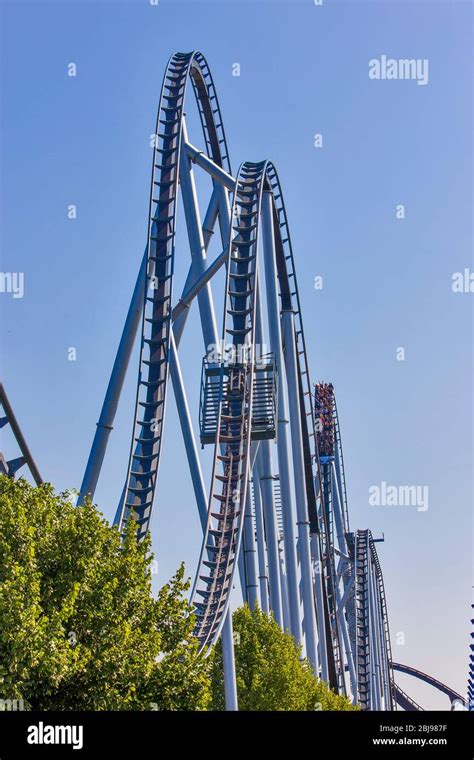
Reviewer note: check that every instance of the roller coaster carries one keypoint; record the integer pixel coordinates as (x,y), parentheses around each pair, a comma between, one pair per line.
(274,516)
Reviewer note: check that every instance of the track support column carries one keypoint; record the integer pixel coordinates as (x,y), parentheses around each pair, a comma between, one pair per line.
(266,485)
(228,659)
(319,599)
(283,443)
(338,510)
(341,619)
(260,530)
(114,388)
(267,531)
(187,431)
(249,550)
(193,274)
(196,239)
(291,365)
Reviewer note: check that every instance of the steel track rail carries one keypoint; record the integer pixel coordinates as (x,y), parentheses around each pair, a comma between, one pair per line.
(328,536)
(338,443)
(145,449)
(451,693)
(385,625)
(363,659)
(402,699)
(366,558)
(350,608)
(330,571)
(231,466)
(329,563)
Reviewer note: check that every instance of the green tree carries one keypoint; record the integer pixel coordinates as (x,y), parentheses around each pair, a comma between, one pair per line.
(79,625)
(270,672)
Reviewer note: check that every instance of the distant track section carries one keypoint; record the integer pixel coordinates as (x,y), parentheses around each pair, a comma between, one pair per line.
(405,702)
(453,695)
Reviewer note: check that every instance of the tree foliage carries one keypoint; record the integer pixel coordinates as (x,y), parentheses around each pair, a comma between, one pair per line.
(79,626)
(271,675)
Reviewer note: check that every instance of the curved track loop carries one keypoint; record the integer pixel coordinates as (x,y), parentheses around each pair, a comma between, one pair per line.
(213,584)
(156,324)
(453,695)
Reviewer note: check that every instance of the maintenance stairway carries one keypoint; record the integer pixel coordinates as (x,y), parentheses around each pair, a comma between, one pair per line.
(216,381)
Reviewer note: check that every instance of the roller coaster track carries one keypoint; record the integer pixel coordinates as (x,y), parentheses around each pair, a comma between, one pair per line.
(340,466)
(387,666)
(156,335)
(451,693)
(232,447)
(352,625)
(327,519)
(327,532)
(324,475)
(363,656)
(217,562)
(350,607)
(405,702)
(373,648)
(152,383)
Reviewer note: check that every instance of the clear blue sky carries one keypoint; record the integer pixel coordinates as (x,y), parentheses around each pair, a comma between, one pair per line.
(387,282)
